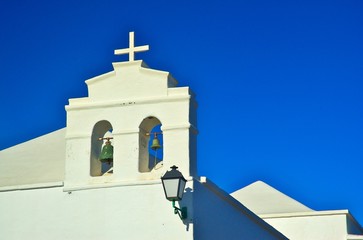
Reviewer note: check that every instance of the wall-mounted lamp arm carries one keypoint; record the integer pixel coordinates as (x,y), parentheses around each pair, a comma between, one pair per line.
(183,213)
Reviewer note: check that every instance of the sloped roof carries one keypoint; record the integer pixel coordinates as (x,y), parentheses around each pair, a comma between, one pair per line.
(261,198)
(40,160)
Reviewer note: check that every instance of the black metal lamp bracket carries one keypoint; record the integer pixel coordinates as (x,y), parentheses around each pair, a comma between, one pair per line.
(182,212)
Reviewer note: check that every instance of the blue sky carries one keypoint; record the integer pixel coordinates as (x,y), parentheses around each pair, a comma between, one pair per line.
(279,83)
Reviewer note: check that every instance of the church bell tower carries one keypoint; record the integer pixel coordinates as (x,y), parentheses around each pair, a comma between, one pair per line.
(134,125)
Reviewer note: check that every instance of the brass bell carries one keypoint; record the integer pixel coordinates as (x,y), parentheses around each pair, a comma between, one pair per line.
(107,152)
(155,144)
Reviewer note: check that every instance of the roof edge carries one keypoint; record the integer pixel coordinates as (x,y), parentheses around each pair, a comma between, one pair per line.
(305,214)
(238,206)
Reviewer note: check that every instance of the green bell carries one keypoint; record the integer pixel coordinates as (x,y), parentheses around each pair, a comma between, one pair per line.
(107,153)
(155,145)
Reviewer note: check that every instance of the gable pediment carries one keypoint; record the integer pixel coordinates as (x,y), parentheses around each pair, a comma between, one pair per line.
(130,80)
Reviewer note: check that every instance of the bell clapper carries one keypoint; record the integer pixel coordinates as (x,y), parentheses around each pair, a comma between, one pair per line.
(156,153)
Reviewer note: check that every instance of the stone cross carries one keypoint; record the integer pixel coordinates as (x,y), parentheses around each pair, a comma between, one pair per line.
(132,49)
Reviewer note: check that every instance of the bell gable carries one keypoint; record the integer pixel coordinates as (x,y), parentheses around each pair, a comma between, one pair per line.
(130,80)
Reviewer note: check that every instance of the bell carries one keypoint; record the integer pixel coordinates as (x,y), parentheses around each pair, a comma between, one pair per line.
(107,153)
(155,145)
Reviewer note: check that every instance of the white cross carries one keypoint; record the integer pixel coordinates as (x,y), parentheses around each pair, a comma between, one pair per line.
(132,49)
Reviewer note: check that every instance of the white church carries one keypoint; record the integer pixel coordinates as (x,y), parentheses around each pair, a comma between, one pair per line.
(114,173)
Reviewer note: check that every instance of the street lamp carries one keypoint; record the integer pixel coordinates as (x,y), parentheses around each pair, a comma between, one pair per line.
(174,184)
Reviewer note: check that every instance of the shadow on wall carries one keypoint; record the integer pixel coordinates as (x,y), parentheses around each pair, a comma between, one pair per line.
(187,201)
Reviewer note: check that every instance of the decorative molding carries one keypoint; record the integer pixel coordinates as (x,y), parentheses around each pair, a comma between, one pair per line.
(180,126)
(77,136)
(31,186)
(114,184)
(110,185)
(125,102)
(125,131)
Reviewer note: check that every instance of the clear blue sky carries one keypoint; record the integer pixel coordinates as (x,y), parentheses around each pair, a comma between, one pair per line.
(279,83)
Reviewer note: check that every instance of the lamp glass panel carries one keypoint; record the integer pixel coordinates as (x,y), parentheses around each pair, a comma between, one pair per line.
(171,187)
(181,189)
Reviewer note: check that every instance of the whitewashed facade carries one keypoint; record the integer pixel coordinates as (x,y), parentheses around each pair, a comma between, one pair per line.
(55,187)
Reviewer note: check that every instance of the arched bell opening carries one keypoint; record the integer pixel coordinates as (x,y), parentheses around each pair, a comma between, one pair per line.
(101,149)
(150,144)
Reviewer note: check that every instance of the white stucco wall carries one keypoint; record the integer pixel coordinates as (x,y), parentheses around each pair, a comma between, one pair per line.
(125,212)
(319,225)
(133,212)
